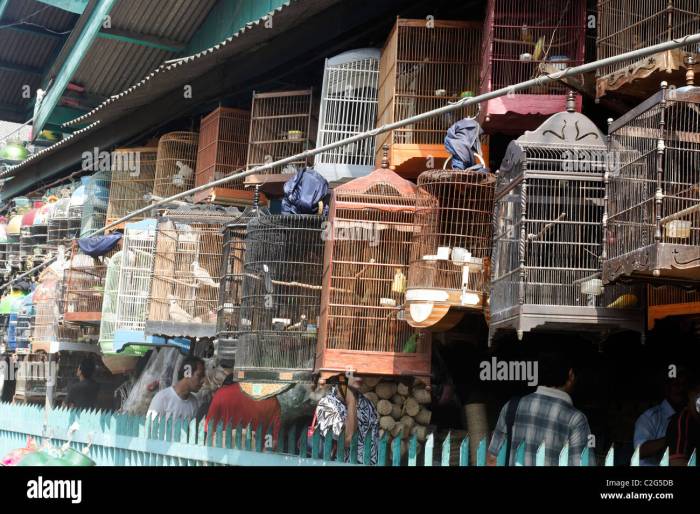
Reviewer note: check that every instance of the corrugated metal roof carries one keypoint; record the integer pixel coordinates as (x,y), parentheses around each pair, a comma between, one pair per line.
(46,15)
(12,84)
(25,49)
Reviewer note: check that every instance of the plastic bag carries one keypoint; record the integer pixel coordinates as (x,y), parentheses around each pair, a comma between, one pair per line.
(159,373)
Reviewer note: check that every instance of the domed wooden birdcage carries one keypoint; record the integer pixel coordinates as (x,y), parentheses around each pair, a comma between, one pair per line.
(368,242)
(133,172)
(653,199)
(547,242)
(522,41)
(348,107)
(175,164)
(281,298)
(449,267)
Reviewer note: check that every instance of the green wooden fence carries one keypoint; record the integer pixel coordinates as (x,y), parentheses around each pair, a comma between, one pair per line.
(114,439)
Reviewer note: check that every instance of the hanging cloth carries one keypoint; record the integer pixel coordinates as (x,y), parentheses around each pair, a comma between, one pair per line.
(99,245)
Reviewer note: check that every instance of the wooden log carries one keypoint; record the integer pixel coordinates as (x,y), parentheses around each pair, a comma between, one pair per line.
(422,396)
(387,423)
(403,389)
(385,390)
(372,397)
(397,399)
(408,422)
(396,411)
(399,428)
(371,382)
(384,407)
(420,432)
(411,407)
(423,417)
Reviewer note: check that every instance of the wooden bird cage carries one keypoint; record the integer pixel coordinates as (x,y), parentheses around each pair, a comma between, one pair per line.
(133,173)
(175,164)
(348,107)
(282,124)
(521,42)
(653,198)
(424,65)
(231,290)
(366,262)
(281,299)
(666,301)
(623,27)
(94,214)
(186,275)
(223,150)
(449,265)
(548,235)
(83,285)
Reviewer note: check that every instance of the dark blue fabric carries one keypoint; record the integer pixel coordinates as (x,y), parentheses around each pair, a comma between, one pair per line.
(462,141)
(99,245)
(303,192)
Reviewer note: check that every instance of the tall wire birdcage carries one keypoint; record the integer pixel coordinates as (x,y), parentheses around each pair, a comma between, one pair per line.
(13,231)
(62,222)
(666,301)
(449,265)
(223,150)
(83,285)
(39,232)
(175,164)
(653,197)
(348,107)
(94,214)
(367,255)
(623,26)
(548,235)
(3,248)
(282,124)
(424,65)
(186,275)
(522,41)
(133,173)
(231,290)
(281,298)
(27,242)
(48,328)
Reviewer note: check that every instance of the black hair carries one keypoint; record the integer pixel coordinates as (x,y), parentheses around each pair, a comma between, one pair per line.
(87,367)
(190,364)
(553,368)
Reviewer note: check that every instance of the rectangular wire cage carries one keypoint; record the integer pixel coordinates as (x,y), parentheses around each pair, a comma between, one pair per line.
(186,275)
(27,241)
(548,235)
(175,163)
(38,233)
(83,285)
(133,174)
(94,213)
(223,150)
(3,255)
(424,65)
(13,252)
(666,301)
(64,223)
(282,124)
(281,298)
(48,324)
(348,107)
(449,264)
(625,26)
(522,41)
(653,199)
(366,262)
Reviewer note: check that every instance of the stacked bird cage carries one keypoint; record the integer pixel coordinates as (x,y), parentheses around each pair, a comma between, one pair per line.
(47,313)
(13,231)
(449,267)
(281,125)
(94,213)
(666,301)
(548,235)
(26,239)
(231,290)
(653,206)
(78,201)
(39,231)
(175,164)
(281,298)
(223,149)
(623,27)
(58,231)
(348,107)
(367,254)
(25,322)
(522,41)
(83,283)
(424,65)
(133,173)
(3,247)
(186,274)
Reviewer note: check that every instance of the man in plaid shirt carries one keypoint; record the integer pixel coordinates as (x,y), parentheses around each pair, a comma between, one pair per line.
(548,416)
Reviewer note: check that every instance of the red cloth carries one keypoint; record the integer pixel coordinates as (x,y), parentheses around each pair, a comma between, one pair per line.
(231,405)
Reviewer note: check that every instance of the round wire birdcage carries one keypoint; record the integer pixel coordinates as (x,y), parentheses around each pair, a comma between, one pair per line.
(133,173)
(175,163)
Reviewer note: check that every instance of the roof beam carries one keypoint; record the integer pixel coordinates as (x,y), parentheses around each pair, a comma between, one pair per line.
(142,40)
(90,30)
(12,67)
(74,6)
(3,6)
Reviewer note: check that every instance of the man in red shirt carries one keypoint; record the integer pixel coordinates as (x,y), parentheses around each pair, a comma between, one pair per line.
(232,406)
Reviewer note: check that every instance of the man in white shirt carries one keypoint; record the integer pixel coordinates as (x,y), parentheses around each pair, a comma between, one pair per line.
(650,428)
(178,401)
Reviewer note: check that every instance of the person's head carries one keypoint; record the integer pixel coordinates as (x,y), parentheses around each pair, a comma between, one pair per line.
(86,368)
(191,374)
(693,394)
(555,369)
(676,385)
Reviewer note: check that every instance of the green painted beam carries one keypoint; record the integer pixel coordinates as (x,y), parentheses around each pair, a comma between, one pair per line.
(36,31)
(74,6)
(62,114)
(19,68)
(3,6)
(141,40)
(70,66)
